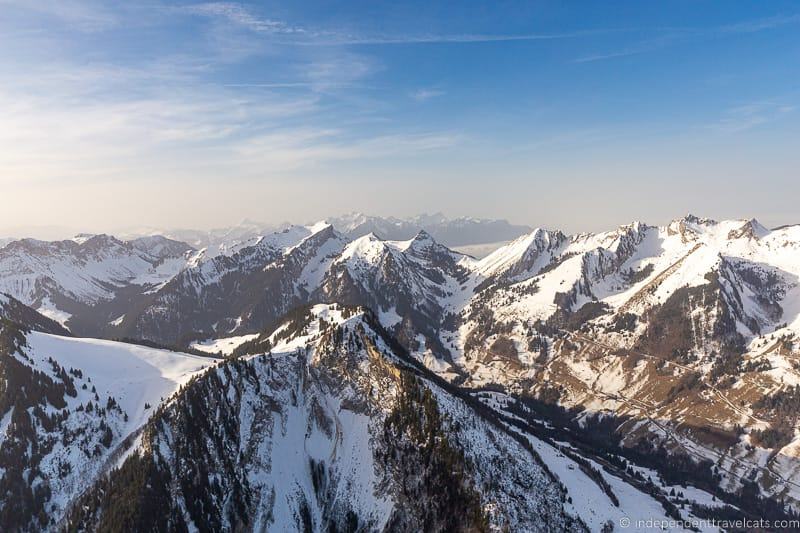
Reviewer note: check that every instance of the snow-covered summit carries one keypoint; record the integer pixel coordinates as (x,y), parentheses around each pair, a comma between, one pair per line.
(535,249)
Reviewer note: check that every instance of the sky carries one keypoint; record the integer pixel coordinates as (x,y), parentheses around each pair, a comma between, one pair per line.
(572,115)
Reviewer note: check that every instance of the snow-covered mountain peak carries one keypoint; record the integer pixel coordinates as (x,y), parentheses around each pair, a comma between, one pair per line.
(160,246)
(350,221)
(717,234)
(420,242)
(699,221)
(274,244)
(295,236)
(624,239)
(319,226)
(717,229)
(689,227)
(81,238)
(101,242)
(422,235)
(369,248)
(750,229)
(633,228)
(435,218)
(286,238)
(522,254)
(545,236)
(425,250)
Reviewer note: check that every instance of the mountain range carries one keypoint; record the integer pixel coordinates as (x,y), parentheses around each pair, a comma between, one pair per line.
(463,231)
(360,375)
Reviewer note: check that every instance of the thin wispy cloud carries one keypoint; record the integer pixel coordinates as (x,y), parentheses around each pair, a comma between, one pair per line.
(751,115)
(639,48)
(449,39)
(271,85)
(294,149)
(757,25)
(89,16)
(59,133)
(673,35)
(343,69)
(423,95)
(84,123)
(240,15)
(614,55)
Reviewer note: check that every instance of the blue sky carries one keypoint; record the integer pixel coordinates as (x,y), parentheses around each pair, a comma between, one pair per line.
(577,115)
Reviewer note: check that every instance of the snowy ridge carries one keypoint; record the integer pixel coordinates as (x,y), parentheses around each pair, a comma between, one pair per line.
(614,267)
(207,268)
(525,254)
(371,262)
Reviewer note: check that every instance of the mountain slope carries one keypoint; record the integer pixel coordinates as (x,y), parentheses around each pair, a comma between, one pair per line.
(327,431)
(68,409)
(246,291)
(408,282)
(687,334)
(15,311)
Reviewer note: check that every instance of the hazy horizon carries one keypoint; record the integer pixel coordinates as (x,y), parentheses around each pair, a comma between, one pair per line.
(199,114)
(64,232)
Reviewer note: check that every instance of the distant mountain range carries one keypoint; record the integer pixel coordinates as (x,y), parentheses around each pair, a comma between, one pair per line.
(450,232)
(360,382)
